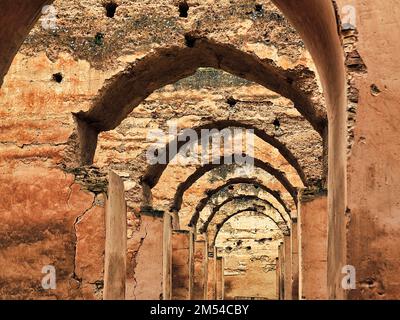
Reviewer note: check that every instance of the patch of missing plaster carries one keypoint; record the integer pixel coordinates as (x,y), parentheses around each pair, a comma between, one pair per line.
(354,62)
(70,153)
(375,91)
(90,178)
(355,69)
(149,211)
(347,216)
(373,287)
(135,258)
(312,193)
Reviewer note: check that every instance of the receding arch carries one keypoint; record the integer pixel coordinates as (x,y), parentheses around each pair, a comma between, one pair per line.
(327,51)
(126,90)
(155,171)
(280,176)
(255,210)
(235,181)
(325,47)
(244,198)
(17,19)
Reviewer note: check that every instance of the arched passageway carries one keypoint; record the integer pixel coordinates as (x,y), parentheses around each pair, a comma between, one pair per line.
(129,88)
(241,233)
(68,74)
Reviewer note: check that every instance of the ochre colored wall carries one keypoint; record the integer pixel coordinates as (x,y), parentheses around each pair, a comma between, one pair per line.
(313,244)
(373,215)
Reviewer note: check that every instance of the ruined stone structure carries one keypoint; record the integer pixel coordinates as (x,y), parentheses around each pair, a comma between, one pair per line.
(93,92)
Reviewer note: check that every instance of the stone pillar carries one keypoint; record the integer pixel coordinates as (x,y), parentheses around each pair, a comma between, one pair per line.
(153,263)
(313,238)
(191,265)
(200,270)
(278,277)
(294,243)
(215,255)
(182,264)
(211,294)
(219,273)
(288,267)
(281,258)
(116,240)
(175,220)
(223,279)
(167,258)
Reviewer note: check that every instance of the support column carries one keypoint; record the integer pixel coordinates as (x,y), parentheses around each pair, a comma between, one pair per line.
(175,220)
(116,240)
(278,277)
(223,279)
(281,287)
(182,265)
(219,273)
(153,261)
(313,237)
(288,267)
(200,270)
(211,294)
(167,258)
(295,259)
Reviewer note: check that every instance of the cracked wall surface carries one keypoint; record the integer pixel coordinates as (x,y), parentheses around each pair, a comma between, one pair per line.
(43,229)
